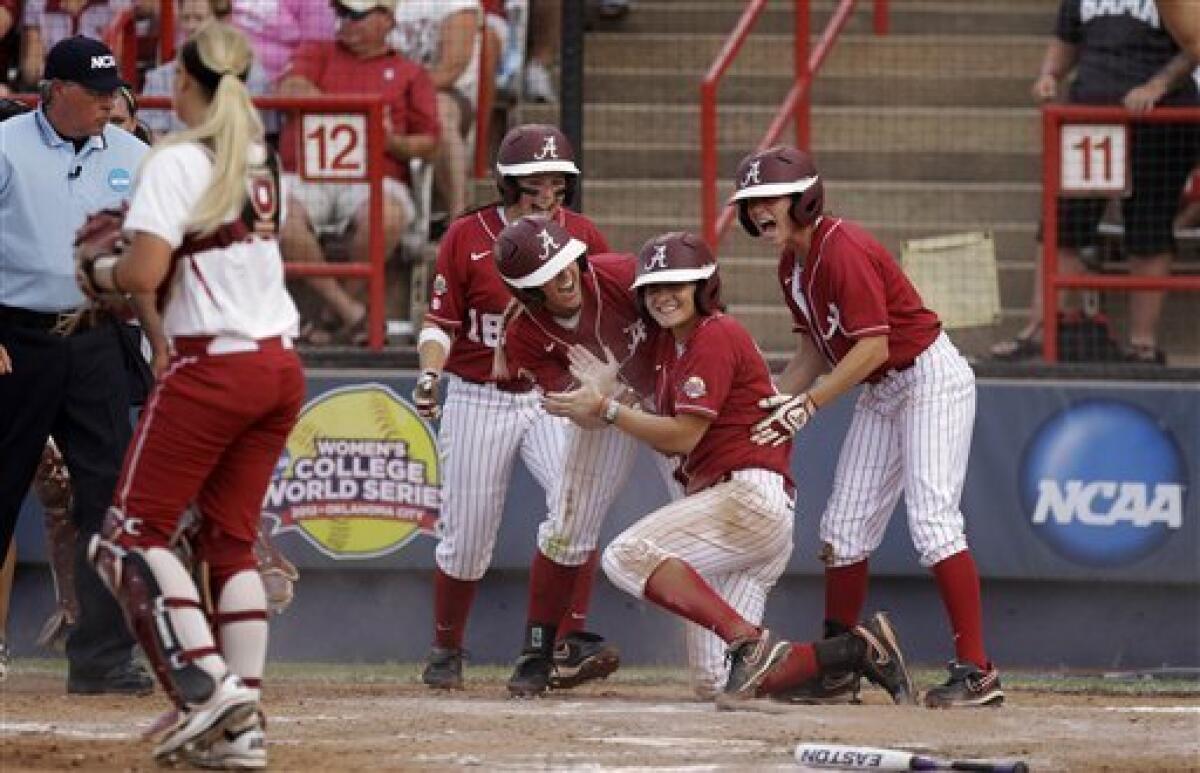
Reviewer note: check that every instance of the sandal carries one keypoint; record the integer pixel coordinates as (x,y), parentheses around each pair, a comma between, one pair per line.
(353,333)
(314,334)
(1017,348)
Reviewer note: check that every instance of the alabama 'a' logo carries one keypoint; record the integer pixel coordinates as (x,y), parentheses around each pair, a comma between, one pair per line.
(549,149)
(751,177)
(549,246)
(657,261)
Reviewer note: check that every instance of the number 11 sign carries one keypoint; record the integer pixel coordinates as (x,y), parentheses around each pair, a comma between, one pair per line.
(1095,159)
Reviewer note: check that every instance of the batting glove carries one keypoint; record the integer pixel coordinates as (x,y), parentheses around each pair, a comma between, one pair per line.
(425,395)
(788,414)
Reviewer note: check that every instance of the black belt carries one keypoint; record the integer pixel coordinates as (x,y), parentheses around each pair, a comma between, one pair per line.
(58,322)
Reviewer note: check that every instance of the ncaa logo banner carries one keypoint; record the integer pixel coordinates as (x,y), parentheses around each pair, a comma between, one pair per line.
(359,477)
(1104,483)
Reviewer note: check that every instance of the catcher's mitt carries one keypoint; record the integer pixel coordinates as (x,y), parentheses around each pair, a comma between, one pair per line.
(52,485)
(279,575)
(100,236)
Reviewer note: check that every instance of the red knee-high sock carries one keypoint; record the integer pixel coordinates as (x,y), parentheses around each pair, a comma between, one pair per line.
(581,597)
(550,588)
(451,603)
(677,587)
(846,592)
(797,667)
(958,582)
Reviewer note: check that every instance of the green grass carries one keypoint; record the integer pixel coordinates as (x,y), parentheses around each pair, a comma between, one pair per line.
(408,673)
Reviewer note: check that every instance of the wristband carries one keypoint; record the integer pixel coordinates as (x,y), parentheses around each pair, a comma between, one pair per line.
(108,262)
(611,407)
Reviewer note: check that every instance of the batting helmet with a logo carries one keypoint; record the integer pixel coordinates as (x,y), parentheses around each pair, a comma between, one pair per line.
(779,171)
(534,148)
(678,257)
(533,250)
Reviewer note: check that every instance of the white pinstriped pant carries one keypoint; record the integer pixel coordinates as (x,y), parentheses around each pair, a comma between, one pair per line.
(596,466)
(482,431)
(911,434)
(737,535)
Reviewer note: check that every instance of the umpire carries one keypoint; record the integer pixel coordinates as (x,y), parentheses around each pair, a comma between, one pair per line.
(57,164)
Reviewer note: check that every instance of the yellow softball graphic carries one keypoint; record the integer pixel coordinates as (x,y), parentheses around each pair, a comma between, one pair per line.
(359,477)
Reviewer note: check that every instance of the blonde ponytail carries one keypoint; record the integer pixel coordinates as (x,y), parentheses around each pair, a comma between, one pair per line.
(230,126)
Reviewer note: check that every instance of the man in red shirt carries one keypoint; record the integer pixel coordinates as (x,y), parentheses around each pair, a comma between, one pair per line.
(359,61)
(861,321)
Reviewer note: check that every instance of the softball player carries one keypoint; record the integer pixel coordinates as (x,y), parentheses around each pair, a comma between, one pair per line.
(736,519)
(862,321)
(215,425)
(489,420)
(568,298)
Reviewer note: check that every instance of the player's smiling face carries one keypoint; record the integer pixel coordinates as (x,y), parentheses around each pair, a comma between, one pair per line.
(673,306)
(564,296)
(772,218)
(541,194)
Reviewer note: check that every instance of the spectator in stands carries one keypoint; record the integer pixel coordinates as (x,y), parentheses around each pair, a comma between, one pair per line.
(192,15)
(545,30)
(443,37)
(1121,56)
(124,114)
(10,41)
(277,28)
(48,21)
(359,61)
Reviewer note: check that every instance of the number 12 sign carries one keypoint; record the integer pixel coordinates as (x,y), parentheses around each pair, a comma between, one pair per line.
(335,147)
(1095,159)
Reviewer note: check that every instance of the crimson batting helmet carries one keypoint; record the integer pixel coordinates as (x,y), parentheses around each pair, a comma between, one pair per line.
(534,148)
(678,257)
(779,171)
(532,251)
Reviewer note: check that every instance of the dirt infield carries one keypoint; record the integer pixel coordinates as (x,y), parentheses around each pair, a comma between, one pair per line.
(343,718)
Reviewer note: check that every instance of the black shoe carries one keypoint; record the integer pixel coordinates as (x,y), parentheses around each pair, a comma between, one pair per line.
(129,678)
(582,657)
(883,663)
(443,669)
(967,686)
(531,677)
(828,690)
(749,661)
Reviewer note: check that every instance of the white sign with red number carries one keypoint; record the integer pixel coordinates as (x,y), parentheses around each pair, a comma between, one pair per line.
(335,147)
(1095,159)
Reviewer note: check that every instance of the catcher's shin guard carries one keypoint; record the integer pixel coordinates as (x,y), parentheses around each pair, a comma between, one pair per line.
(241,623)
(163,610)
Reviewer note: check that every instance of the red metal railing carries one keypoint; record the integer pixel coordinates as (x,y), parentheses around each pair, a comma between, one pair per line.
(796,106)
(1054,117)
(373,270)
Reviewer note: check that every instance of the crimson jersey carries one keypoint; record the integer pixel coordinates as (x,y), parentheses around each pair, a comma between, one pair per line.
(537,345)
(469,297)
(850,288)
(720,374)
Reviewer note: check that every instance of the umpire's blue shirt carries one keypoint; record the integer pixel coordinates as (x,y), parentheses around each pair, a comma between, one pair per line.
(46,192)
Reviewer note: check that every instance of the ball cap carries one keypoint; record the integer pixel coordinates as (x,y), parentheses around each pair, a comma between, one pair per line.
(85,61)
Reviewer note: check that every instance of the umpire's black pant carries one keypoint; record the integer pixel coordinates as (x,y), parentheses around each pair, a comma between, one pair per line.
(74,388)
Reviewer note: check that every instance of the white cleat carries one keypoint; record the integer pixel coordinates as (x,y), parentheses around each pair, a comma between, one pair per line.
(230,705)
(238,747)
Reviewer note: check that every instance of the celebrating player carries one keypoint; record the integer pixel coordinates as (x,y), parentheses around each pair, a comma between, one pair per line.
(488,420)
(570,297)
(202,225)
(861,321)
(737,516)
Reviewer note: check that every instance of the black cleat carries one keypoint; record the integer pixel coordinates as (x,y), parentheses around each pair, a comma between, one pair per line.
(582,657)
(828,690)
(129,678)
(883,663)
(968,686)
(531,676)
(749,661)
(443,669)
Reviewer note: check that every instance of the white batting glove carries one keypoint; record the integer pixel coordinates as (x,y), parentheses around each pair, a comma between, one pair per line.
(788,414)
(425,395)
